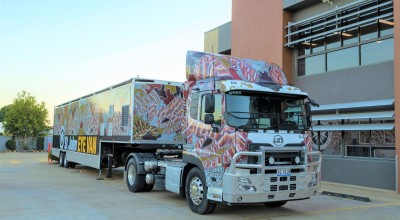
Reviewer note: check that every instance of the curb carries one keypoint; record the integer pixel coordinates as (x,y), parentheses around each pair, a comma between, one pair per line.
(346,196)
(27,151)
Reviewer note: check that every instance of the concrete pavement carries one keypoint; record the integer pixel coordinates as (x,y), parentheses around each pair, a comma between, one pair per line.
(30,188)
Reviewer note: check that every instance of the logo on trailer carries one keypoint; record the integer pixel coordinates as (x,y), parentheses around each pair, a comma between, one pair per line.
(278,140)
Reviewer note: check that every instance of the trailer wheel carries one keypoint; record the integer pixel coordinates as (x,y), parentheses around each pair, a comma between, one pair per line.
(275,204)
(67,164)
(61,159)
(134,181)
(196,193)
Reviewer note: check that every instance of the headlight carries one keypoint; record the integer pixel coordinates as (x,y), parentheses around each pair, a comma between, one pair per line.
(245,184)
(271,160)
(297,160)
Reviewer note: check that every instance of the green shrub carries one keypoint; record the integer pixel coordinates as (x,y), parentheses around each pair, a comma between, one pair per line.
(39,143)
(11,145)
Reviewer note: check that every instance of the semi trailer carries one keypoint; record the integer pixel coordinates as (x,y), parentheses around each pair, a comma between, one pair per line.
(235,132)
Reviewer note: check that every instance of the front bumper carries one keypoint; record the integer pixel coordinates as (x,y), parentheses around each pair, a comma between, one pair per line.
(259,189)
(239,186)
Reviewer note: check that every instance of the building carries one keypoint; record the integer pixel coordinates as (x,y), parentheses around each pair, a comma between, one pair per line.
(1,128)
(346,55)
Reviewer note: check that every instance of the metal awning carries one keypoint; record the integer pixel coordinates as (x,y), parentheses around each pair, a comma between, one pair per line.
(354,105)
(355,127)
(363,115)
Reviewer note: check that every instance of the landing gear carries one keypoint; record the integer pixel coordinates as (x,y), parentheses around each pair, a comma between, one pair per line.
(61,159)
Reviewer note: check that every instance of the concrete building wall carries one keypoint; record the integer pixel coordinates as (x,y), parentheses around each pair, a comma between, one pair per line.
(218,40)
(364,83)
(3,140)
(368,173)
(211,40)
(396,10)
(258,32)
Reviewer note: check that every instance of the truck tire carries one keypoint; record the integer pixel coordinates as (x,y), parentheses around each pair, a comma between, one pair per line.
(275,204)
(61,159)
(67,164)
(134,181)
(196,193)
(72,165)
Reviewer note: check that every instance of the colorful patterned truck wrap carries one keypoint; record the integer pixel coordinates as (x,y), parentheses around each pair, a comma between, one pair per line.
(255,111)
(136,111)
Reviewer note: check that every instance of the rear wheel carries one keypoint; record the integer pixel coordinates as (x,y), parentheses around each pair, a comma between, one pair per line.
(67,164)
(196,193)
(134,181)
(275,204)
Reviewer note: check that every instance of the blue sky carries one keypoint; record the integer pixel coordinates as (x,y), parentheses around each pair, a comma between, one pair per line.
(61,50)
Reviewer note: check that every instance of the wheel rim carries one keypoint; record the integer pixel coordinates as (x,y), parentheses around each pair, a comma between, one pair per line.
(131,174)
(196,190)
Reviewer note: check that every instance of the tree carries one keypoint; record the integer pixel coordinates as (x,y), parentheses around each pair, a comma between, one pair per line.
(3,112)
(26,118)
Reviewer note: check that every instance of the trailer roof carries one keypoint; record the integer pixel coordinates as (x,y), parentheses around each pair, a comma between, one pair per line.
(132,80)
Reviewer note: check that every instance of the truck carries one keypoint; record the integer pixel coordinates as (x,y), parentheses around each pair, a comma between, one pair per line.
(235,132)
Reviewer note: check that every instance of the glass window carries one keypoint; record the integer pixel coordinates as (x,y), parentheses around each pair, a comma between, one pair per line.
(218,109)
(368,31)
(353,145)
(350,36)
(312,65)
(332,41)
(194,105)
(386,27)
(255,110)
(318,45)
(342,59)
(304,49)
(301,67)
(377,52)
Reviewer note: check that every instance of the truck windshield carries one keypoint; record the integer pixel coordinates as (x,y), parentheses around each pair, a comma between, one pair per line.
(251,110)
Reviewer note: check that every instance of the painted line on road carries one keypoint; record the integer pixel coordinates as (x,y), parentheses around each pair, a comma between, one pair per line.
(15,162)
(42,160)
(353,208)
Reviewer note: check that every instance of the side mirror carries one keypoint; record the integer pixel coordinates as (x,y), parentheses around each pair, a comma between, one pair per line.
(209,104)
(308,119)
(209,119)
(313,102)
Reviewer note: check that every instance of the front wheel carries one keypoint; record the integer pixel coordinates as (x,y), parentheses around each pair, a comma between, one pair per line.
(196,193)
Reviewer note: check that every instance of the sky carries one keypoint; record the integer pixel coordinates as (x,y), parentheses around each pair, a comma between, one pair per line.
(62,50)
